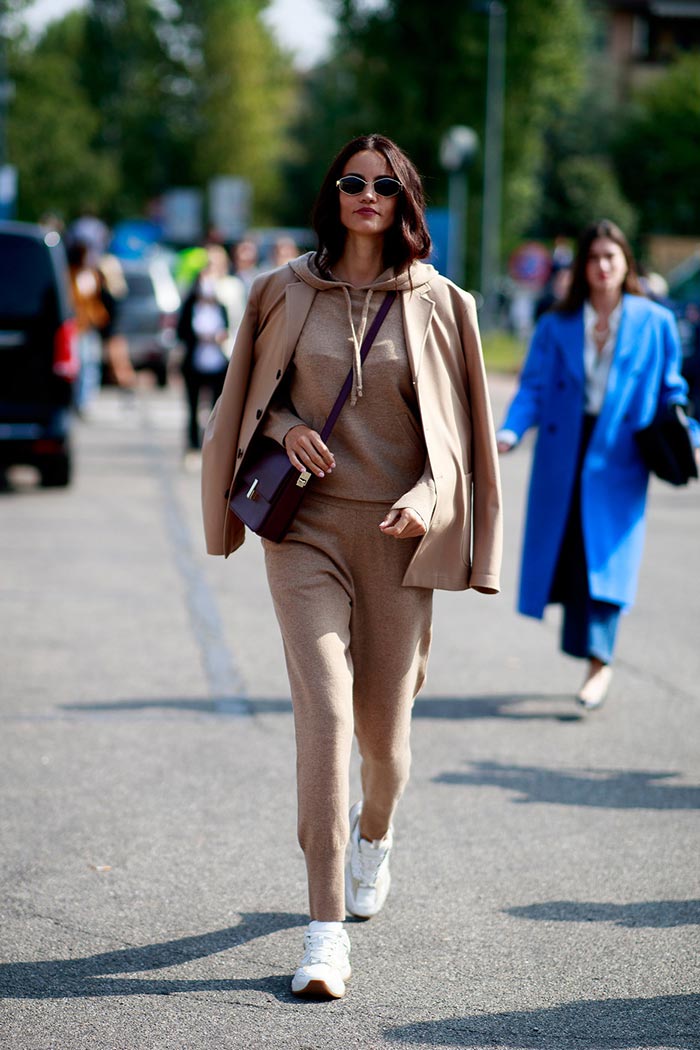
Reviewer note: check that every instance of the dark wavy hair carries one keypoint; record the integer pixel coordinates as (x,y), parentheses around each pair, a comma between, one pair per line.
(407,240)
(579,289)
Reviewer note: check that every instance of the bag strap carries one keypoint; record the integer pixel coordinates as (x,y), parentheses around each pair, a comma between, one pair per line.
(364,350)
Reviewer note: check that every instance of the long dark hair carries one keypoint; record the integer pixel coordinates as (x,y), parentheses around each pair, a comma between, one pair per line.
(579,289)
(407,240)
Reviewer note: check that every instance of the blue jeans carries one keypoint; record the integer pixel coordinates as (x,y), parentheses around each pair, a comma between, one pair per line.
(589,628)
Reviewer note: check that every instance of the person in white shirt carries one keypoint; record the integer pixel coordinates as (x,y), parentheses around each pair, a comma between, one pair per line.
(203,331)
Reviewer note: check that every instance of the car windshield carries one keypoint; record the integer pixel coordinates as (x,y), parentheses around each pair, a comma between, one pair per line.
(27,284)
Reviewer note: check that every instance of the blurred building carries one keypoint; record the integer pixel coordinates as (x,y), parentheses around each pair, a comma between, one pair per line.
(643,36)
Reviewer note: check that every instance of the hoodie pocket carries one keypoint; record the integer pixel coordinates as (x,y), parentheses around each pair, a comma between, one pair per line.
(412,429)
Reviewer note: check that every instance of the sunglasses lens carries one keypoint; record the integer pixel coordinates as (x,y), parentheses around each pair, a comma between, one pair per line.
(387,187)
(351,184)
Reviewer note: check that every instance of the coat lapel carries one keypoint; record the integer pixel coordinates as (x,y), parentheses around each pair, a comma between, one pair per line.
(298,299)
(417,312)
(569,337)
(624,358)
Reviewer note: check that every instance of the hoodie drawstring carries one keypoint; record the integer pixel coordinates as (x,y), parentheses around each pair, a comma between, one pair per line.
(356,338)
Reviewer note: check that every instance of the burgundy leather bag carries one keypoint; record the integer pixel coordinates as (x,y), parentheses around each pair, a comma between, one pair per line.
(268,490)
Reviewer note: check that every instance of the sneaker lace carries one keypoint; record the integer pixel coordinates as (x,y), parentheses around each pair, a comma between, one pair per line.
(326,948)
(367,862)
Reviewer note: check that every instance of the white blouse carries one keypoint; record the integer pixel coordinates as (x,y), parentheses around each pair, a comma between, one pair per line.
(596,363)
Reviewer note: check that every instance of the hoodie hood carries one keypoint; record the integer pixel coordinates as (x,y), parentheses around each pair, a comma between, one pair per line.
(417,276)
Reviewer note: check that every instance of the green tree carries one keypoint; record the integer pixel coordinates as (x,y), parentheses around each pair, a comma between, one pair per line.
(143,96)
(246,89)
(411,71)
(658,150)
(579,182)
(51,126)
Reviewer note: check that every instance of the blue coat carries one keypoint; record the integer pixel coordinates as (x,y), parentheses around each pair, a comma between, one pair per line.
(645,373)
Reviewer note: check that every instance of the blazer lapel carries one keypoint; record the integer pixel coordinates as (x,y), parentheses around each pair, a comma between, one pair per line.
(418,313)
(298,299)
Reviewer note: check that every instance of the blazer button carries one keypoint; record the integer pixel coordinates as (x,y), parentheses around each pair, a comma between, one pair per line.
(258,413)
(561,385)
(552,429)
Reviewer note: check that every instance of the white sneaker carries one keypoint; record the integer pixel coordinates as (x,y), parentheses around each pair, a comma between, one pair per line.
(594,690)
(325,966)
(367,877)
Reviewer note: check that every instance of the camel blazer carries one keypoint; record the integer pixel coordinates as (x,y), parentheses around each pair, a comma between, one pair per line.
(462,548)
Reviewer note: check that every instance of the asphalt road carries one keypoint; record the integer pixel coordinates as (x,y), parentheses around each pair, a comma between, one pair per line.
(152,895)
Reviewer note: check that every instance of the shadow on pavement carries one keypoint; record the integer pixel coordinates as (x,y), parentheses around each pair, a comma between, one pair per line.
(88,977)
(668,1021)
(449,708)
(652,914)
(603,788)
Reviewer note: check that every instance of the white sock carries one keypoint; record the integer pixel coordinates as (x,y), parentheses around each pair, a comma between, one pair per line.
(315,926)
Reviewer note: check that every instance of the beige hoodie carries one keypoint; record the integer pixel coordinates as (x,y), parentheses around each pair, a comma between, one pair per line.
(378,440)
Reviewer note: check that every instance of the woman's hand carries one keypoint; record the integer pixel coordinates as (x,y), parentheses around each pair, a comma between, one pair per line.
(504,446)
(307,451)
(403,524)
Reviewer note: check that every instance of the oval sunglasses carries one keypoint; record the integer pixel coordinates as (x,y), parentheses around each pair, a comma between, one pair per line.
(385,186)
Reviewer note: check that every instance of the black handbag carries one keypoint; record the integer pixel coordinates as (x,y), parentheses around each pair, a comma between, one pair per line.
(666,447)
(268,490)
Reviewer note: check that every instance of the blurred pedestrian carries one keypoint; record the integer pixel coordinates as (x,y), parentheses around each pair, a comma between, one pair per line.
(88,229)
(407,499)
(556,290)
(284,250)
(690,338)
(230,290)
(91,317)
(117,366)
(245,261)
(600,365)
(203,331)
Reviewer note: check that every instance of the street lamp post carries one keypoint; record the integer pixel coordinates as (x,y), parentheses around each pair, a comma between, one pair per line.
(493,157)
(457,151)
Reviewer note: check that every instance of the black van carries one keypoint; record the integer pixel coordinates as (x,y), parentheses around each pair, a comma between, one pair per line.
(39,360)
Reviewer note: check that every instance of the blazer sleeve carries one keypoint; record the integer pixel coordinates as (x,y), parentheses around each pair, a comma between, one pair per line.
(487,512)
(526,407)
(220,440)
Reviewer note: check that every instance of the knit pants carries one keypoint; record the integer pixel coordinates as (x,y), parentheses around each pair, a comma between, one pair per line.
(356,645)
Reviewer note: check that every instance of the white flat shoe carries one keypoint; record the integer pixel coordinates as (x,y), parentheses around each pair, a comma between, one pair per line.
(595,689)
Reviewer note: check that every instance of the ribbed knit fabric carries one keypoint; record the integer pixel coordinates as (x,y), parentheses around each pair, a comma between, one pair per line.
(378,441)
(356,644)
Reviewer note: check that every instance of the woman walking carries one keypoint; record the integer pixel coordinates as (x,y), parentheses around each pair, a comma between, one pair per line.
(405,498)
(600,365)
(202,329)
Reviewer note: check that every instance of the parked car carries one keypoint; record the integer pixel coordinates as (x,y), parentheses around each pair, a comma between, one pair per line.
(148,314)
(38,352)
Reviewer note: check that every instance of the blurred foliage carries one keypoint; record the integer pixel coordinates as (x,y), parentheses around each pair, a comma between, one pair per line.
(658,150)
(247,93)
(50,133)
(126,98)
(411,72)
(133,97)
(579,182)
